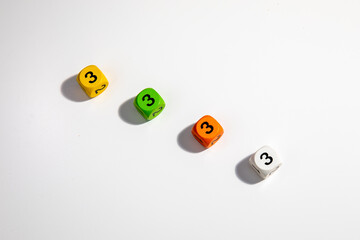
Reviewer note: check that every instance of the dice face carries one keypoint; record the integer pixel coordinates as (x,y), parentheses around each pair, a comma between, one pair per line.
(207,131)
(265,161)
(92,81)
(149,103)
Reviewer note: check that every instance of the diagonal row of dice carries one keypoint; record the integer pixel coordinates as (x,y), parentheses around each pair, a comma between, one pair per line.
(207,131)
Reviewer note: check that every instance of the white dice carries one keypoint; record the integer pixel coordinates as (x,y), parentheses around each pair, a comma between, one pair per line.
(265,161)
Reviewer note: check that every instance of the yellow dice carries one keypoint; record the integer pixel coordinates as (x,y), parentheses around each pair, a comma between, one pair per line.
(92,81)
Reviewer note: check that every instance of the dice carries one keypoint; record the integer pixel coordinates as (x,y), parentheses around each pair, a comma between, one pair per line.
(265,161)
(207,131)
(149,103)
(92,81)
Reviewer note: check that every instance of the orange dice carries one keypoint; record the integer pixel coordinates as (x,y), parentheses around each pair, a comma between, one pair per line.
(207,131)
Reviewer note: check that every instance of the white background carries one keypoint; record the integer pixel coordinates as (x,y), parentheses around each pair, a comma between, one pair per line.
(278,73)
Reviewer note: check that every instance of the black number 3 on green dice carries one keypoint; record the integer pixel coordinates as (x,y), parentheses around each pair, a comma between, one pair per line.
(147,97)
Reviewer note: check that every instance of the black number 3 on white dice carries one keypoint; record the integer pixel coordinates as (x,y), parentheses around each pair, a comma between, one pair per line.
(265,161)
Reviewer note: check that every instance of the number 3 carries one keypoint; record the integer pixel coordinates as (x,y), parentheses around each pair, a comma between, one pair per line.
(207,126)
(267,157)
(148,98)
(91,76)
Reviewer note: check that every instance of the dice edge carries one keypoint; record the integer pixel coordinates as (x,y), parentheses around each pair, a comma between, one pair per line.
(197,137)
(139,109)
(253,166)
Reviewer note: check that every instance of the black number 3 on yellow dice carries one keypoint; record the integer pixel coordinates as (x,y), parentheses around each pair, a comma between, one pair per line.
(91,75)
(92,81)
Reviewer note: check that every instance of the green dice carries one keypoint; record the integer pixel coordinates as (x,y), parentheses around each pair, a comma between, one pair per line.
(149,103)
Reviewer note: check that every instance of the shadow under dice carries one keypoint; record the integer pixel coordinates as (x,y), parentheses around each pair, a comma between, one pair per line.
(92,81)
(207,131)
(265,161)
(149,103)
